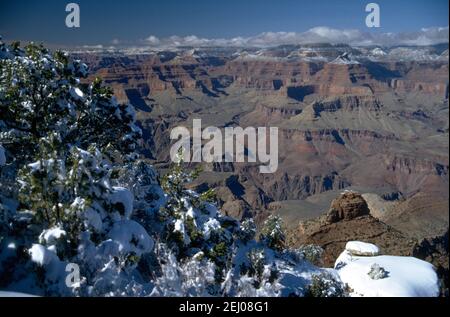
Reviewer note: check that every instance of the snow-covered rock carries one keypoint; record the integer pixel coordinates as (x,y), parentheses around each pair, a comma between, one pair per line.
(345,59)
(362,248)
(412,54)
(404,276)
(378,52)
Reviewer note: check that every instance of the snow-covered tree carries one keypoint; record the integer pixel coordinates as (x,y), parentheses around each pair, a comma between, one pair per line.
(66,139)
(41,94)
(272,233)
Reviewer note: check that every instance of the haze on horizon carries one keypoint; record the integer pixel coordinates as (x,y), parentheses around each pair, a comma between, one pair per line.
(256,22)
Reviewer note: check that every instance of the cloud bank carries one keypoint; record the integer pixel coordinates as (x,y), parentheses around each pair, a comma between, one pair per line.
(321,34)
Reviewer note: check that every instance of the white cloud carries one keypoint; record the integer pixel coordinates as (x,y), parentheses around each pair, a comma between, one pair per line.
(93,47)
(152,40)
(426,36)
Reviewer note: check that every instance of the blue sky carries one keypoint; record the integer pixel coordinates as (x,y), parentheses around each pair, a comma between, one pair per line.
(133,20)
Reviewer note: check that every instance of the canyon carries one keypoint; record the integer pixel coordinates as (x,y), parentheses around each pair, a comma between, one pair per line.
(371,120)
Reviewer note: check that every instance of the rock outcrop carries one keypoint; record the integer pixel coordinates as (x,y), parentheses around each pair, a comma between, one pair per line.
(347,207)
(435,250)
(349,219)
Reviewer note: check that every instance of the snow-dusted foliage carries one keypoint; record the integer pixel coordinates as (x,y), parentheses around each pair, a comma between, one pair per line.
(82,216)
(65,140)
(201,252)
(41,95)
(377,272)
(2,156)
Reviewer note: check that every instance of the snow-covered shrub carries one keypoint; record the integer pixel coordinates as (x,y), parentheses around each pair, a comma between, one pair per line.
(326,285)
(272,233)
(377,272)
(3,211)
(7,191)
(247,230)
(143,182)
(202,252)
(255,267)
(193,276)
(2,156)
(192,223)
(312,253)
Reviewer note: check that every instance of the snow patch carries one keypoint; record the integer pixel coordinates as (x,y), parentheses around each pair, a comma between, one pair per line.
(52,235)
(41,255)
(76,93)
(362,248)
(405,276)
(378,52)
(345,59)
(179,227)
(131,237)
(14,294)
